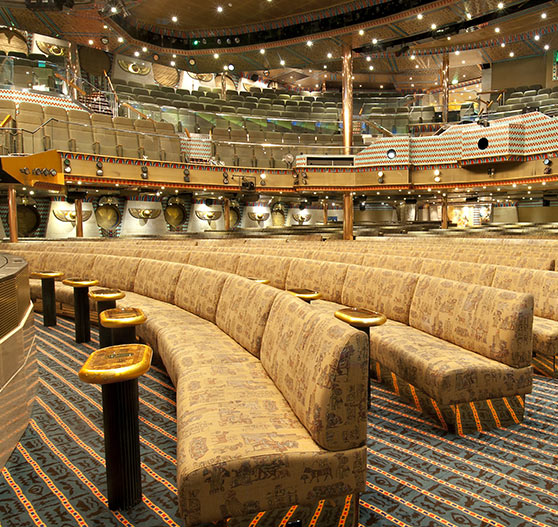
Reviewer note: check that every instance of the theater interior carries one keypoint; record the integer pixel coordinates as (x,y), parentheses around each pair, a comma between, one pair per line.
(270,264)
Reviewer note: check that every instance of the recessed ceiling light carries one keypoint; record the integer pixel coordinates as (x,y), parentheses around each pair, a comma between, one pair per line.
(433,26)
(381,86)
(419,16)
(469,16)
(462,62)
(416,66)
(144,49)
(174,55)
(500,5)
(543,15)
(172,63)
(412,85)
(374,41)
(309,43)
(215,55)
(329,55)
(371,68)
(361,32)
(413,56)
(368,59)
(90,42)
(537,37)
(105,26)
(512,54)
(262,51)
(546,47)
(113,9)
(457,52)
(136,53)
(174,19)
(503,45)
(120,39)
(219,9)
(325,66)
(497,30)
(282,62)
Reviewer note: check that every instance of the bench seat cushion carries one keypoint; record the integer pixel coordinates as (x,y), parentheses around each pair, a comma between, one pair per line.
(446,372)
(545,336)
(241,448)
(327,307)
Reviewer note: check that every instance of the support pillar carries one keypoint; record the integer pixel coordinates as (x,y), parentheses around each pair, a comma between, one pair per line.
(79,218)
(444,212)
(445,87)
(223,86)
(348,215)
(324,208)
(227,213)
(12,213)
(347,77)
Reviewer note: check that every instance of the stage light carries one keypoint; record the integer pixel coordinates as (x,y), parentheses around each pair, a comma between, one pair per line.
(186,173)
(144,174)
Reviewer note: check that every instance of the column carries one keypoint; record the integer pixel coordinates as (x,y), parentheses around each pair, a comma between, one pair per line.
(12,213)
(79,218)
(445,87)
(347,77)
(224,86)
(227,213)
(348,215)
(324,208)
(444,212)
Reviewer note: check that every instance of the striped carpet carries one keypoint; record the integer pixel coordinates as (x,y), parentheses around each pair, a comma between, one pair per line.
(418,474)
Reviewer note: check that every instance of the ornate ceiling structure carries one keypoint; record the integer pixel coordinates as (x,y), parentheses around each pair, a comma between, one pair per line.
(397,43)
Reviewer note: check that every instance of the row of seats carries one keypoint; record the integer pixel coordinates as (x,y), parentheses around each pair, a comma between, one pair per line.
(79,131)
(299,424)
(414,349)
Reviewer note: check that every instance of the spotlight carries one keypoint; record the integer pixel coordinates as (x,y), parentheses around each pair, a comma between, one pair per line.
(67,166)
(192,61)
(144,174)
(225,178)
(25,171)
(186,173)
(231,67)
(391,153)
(104,40)
(262,179)
(437,179)
(547,162)
(380,177)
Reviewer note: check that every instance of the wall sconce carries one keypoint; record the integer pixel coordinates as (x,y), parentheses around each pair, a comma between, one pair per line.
(209,216)
(260,217)
(302,218)
(69,215)
(144,214)
(144,174)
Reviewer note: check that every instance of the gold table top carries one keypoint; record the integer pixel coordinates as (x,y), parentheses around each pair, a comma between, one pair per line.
(116,364)
(305,294)
(46,274)
(120,317)
(259,280)
(80,282)
(106,294)
(360,317)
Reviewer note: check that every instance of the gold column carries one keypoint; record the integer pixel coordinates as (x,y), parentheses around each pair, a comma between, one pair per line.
(79,218)
(348,215)
(12,213)
(347,77)
(324,208)
(444,212)
(227,213)
(445,87)
(223,86)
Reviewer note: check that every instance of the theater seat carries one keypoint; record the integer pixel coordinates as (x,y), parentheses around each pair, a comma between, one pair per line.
(169,141)
(80,131)
(148,141)
(103,134)
(56,132)
(126,137)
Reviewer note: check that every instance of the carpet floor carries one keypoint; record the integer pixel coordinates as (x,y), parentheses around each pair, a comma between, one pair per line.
(418,474)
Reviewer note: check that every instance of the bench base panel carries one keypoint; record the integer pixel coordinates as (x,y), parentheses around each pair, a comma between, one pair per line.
(462,418)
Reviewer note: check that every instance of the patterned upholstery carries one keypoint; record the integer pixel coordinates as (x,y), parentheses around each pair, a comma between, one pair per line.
(325,277)
(446,372)
(470,273)
(116,271)
(243,311)
(389,292)
(492,322)
(274,268)
(241,449)
(301,344)
(545,336)
(218,261)
(157,279)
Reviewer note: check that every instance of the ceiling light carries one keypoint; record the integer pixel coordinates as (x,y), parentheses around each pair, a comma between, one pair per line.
(462,62)
(144,49)
(215,55)
(381,86)
(91,42)
(361,32)
(329,55)
(105,26)
(368,59)
(120,39)
(371,68)
(262,51)
(412,85)
(546,47)
(512,54)
(497,30)
(282,62)
(433,26)
(113,9)
(500,5)
(469,16)
(374,41)
(136,53)
(413,56)
(419,16)
(231,67)
(543,15)
(325,66)
(219,9)
(174,19)
(537,37)
(309,43)
(503,45)
(416,66)
(457,52)
(172,63)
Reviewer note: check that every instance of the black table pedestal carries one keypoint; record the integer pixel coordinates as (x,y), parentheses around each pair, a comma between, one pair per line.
(81,309)
(122,448)
(123,335)
(49,302)
(105,334)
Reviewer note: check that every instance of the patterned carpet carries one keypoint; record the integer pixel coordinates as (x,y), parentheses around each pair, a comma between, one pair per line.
(419,475)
